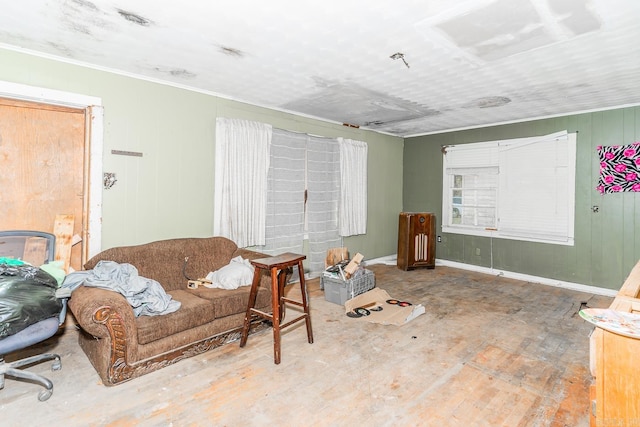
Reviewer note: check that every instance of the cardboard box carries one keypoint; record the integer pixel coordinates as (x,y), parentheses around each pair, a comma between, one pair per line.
(391,314)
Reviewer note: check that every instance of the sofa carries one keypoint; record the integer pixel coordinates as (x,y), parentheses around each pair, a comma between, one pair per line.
(122,346)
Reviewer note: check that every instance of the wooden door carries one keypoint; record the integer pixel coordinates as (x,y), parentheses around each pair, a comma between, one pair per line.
(42,168)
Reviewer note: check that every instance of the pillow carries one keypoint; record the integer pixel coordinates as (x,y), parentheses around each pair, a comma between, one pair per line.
(239,272)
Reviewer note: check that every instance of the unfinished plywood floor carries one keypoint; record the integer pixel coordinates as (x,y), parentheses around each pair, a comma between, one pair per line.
(489,351)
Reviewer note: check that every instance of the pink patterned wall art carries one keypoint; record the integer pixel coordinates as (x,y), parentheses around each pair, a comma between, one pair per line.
(619,168)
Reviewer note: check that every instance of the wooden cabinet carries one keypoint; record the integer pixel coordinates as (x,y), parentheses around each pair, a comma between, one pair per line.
(416,240)
(615,360)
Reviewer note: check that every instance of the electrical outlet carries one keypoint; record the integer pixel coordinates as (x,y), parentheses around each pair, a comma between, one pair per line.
(478,251)
(439,239)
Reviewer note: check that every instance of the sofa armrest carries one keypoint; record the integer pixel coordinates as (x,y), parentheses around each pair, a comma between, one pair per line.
(97,310)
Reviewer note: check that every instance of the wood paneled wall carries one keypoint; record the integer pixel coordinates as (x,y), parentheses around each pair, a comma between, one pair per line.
(607,242)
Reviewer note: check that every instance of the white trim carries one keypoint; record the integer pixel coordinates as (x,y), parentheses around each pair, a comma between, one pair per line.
(95,181)
(392,259)
(47,96)
(482,158)
(74,100)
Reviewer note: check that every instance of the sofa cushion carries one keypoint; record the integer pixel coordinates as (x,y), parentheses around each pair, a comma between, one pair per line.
(193,312)
(232,301)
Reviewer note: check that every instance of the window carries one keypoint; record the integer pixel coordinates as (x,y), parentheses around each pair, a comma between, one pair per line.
(516,189)
(303,165)
(304,197)
(473,197)
(273,187)
(286,185)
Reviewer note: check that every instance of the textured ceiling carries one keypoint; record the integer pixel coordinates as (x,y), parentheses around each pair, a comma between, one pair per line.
(402,67)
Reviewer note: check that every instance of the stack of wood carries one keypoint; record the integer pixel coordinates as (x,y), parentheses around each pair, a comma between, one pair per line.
(336,256)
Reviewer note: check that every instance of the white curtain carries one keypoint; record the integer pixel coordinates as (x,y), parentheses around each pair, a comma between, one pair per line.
(285,189)
(323,186)
(241,167)
(353,181)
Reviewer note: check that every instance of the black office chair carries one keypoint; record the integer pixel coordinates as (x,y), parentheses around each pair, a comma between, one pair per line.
(30,308)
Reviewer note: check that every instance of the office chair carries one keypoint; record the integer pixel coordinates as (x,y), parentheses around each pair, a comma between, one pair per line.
(38,318)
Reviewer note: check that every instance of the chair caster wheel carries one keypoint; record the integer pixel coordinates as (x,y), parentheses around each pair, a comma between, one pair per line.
(44,395)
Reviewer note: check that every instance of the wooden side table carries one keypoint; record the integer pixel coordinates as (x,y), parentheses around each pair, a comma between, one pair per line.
(277,266)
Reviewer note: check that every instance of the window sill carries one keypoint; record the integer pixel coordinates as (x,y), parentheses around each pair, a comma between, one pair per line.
(497,234)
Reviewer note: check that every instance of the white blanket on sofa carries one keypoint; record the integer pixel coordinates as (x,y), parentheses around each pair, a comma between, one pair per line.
(239,272)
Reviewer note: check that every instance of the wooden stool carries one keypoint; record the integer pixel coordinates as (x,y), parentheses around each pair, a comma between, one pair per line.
(278,266)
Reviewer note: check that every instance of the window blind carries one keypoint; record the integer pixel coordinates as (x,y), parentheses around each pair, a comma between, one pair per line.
(534,191)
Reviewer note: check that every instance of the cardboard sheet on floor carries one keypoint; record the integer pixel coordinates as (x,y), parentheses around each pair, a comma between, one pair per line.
(391,314)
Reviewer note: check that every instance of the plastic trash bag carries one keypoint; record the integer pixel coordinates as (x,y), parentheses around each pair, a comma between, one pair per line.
(27,296)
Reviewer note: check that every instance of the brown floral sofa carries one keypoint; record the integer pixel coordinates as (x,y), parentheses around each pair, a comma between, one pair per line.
(121,346)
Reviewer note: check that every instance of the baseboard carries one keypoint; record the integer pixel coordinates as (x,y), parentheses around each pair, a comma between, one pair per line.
(386,260)
(392,260)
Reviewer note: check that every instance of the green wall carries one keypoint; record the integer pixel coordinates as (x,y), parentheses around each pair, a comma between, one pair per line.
(168,192)
(607,243)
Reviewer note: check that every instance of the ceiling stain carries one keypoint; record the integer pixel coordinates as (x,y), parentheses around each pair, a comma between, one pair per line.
(62,49)
(136,19)
(407,127)
(539,93)
(351,103)
(177,72)
(232,51)
(86,4)
(82,17)
(79,28)
(403,120)
(488,102)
